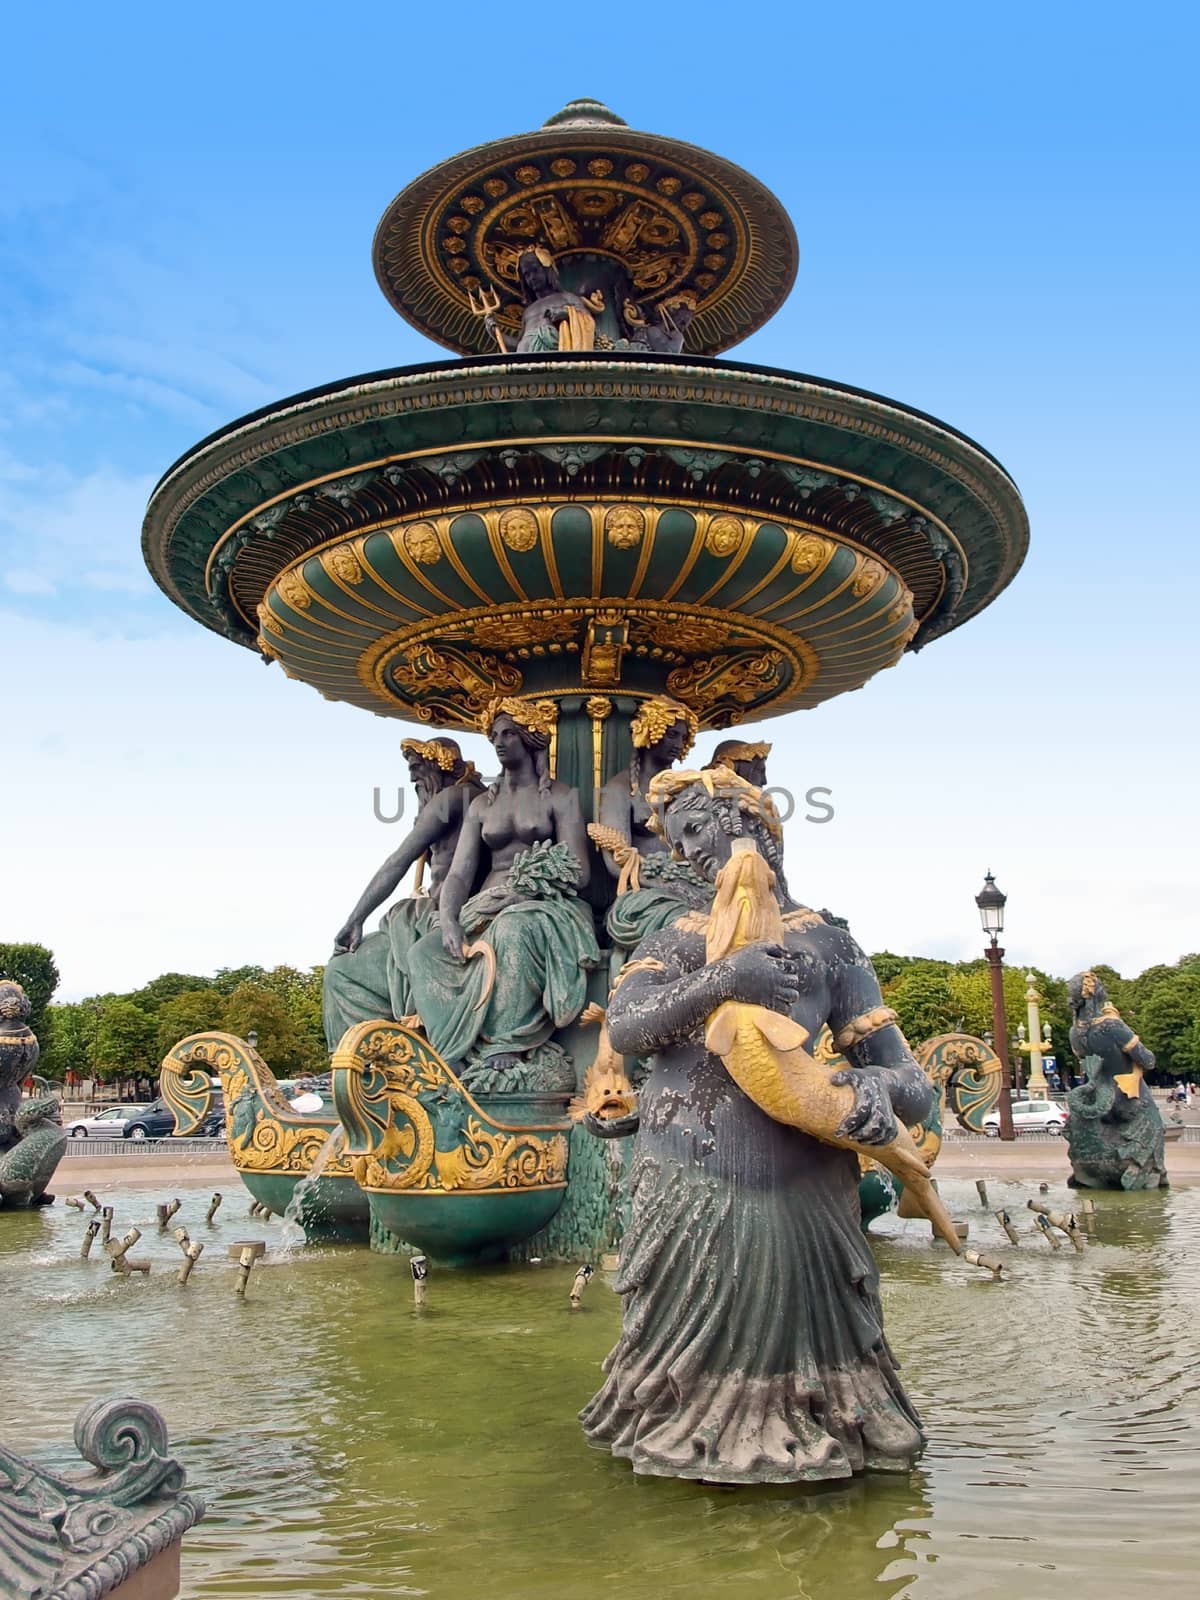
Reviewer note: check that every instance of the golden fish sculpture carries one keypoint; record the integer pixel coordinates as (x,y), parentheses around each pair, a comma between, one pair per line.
(764,1052)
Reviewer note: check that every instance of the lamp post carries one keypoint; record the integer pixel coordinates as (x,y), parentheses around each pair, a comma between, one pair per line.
(991,901)
(1039,1040)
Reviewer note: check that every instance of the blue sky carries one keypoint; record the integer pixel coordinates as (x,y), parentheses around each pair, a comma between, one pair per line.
(997,220)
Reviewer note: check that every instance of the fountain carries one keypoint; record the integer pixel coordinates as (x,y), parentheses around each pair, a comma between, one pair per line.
(589,539)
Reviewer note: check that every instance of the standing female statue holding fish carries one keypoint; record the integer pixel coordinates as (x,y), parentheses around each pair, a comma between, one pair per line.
(752,1349)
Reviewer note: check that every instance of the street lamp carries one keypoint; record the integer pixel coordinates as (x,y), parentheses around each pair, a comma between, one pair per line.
(991,902)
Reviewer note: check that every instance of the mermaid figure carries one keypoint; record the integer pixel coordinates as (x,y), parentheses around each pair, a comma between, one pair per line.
(752,1348)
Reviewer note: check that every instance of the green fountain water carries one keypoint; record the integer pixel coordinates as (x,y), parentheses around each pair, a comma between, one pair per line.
(352,1446)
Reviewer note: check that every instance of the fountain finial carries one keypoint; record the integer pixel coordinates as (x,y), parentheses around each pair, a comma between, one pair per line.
(585,113)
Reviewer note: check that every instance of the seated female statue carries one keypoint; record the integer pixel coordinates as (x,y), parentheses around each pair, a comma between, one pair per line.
(752,1348)
(524,837)
(368,977)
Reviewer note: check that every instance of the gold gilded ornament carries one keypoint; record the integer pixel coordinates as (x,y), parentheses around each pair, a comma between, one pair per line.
(624,526)
(519,529)
(868,577)
(810,552)
(344,565)
(422,543)
(267,620)
(431,750)
(598,707)
(655,716)
(293,590)
(535,716)
(725,535)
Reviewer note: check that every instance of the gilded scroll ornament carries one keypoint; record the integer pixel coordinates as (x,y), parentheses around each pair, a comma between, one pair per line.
(519,529)
(411,1126)
(513,631)
(267,620)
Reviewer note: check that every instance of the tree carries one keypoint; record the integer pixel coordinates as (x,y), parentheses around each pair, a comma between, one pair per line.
(923,1001)
(66,1040)
(1169,1023)
(199,1010)
(125,1037)
(228,978)
(32,966)
(253,1008)
(170,986)
(888,967)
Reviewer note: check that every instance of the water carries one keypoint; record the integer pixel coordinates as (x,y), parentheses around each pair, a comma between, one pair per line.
(291,1234)
(352,1446)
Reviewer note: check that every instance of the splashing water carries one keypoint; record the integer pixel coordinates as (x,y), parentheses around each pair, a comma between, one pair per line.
(291,1233)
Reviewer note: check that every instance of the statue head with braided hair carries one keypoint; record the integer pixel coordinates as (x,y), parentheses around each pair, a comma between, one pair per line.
(662,732)
(700,814)
(517,728)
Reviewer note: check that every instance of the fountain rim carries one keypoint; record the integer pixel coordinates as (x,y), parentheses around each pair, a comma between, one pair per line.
(942,454)
(614,360)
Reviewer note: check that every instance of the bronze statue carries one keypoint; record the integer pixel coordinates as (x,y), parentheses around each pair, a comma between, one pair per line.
(32,1140)
(749,761)
(523,843)
(367,977)
(652,887)
(1114,1129)
(662,732)
(752,1348)
(554,318)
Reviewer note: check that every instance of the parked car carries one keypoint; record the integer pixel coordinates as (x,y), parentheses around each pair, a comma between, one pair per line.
(1029,1116)
(109,1123)
(157,1121)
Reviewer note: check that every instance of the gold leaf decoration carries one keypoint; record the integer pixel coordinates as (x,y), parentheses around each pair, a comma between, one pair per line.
(810,552)
(344,565)
(624,526)
(725,535)
(294,591)
(869,576)
(422,543)
(518,529)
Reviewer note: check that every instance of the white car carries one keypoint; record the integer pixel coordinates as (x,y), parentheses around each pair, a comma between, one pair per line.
(1029,1116)
(107,1123)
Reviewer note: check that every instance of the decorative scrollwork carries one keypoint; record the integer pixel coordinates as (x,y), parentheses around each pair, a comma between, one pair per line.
(412,1126)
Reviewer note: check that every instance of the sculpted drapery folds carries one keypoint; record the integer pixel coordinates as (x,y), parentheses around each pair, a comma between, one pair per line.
(725,1198)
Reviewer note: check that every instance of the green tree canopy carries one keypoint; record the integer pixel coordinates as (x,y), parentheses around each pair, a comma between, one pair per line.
(199,1010)
(32,966)
(125,1039)
(924,1002)
(68,1032)
(252,1008)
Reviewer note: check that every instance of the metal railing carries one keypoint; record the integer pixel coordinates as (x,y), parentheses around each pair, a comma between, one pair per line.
(169,1147)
